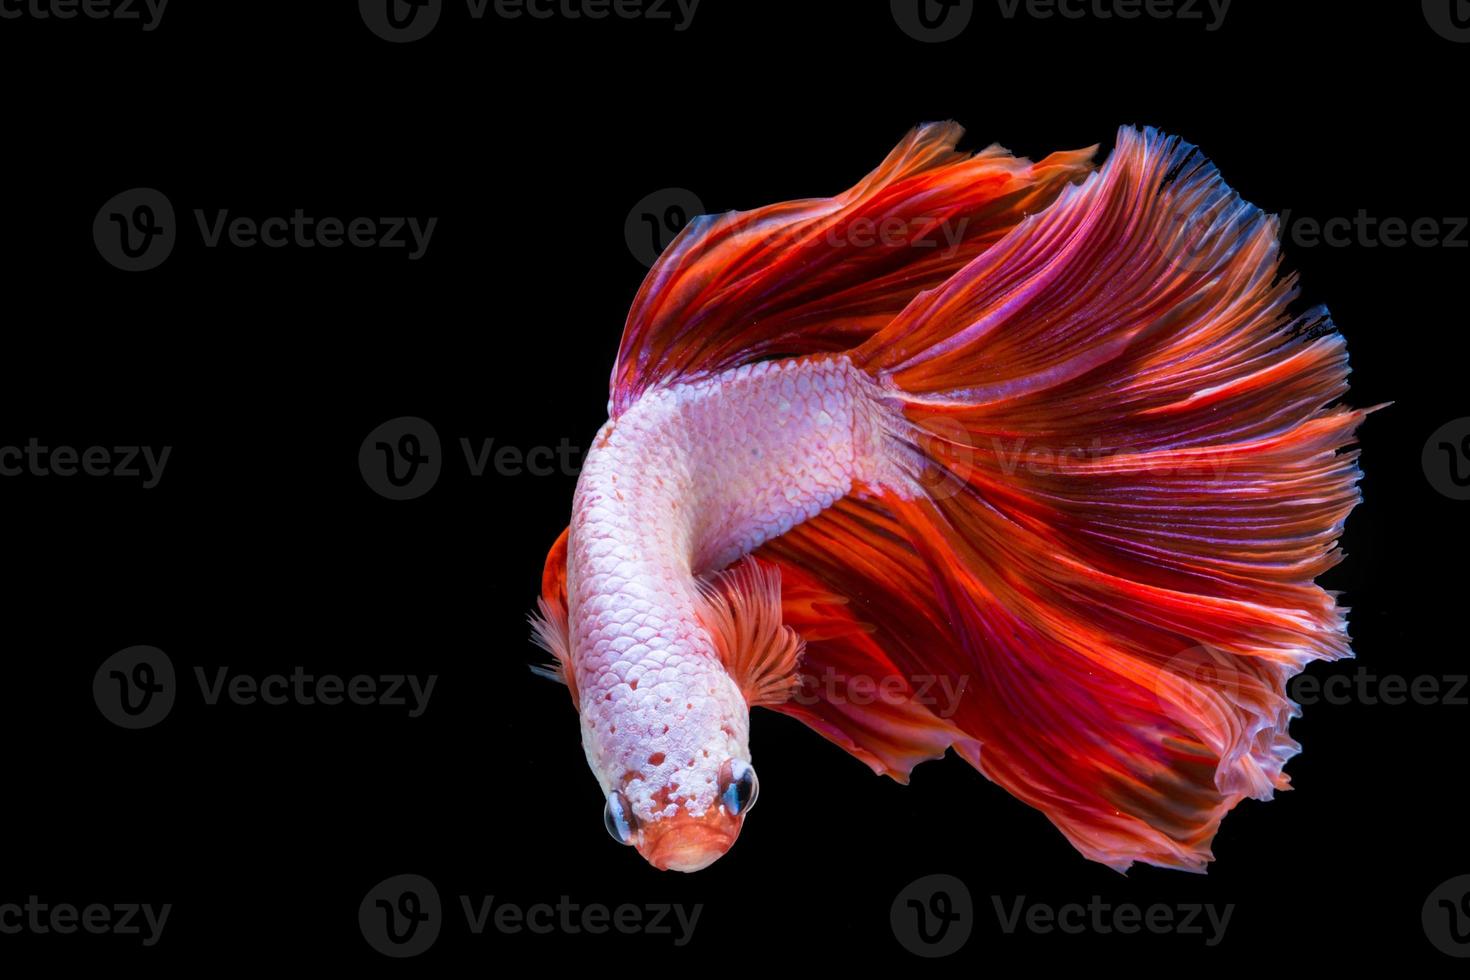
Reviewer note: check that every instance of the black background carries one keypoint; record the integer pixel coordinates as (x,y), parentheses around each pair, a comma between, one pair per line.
(263,549)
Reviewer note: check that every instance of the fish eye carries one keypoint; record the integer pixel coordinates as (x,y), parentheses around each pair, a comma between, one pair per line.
(618,818)
(738,787)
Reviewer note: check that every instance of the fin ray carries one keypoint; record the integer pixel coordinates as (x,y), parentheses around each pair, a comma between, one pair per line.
(814,276)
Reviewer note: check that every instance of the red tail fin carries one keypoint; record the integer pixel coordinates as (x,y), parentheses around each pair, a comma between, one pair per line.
(1147,481)
(1133,474)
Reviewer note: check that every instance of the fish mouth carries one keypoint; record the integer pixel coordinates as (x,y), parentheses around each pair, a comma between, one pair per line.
(688,843)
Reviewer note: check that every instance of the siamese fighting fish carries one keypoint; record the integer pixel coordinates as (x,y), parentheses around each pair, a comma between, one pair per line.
(1031,461)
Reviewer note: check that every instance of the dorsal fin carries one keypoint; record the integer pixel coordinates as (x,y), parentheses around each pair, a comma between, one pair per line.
(824,274)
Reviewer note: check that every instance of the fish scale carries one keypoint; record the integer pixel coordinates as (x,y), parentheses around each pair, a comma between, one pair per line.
(688,480)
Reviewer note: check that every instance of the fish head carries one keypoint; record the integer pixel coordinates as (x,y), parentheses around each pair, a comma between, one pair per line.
(671,751)
(686,833)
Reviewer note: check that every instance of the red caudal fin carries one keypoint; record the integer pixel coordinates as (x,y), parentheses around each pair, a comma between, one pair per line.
(821,275)
(1133,470)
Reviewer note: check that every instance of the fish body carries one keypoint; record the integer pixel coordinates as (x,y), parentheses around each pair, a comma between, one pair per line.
(687,481)
(820,472)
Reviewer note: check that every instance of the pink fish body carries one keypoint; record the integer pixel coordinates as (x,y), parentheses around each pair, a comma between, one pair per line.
(809,480)
(687,481)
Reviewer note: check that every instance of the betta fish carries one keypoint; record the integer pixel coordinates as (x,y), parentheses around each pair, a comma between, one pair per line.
(1043,436)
